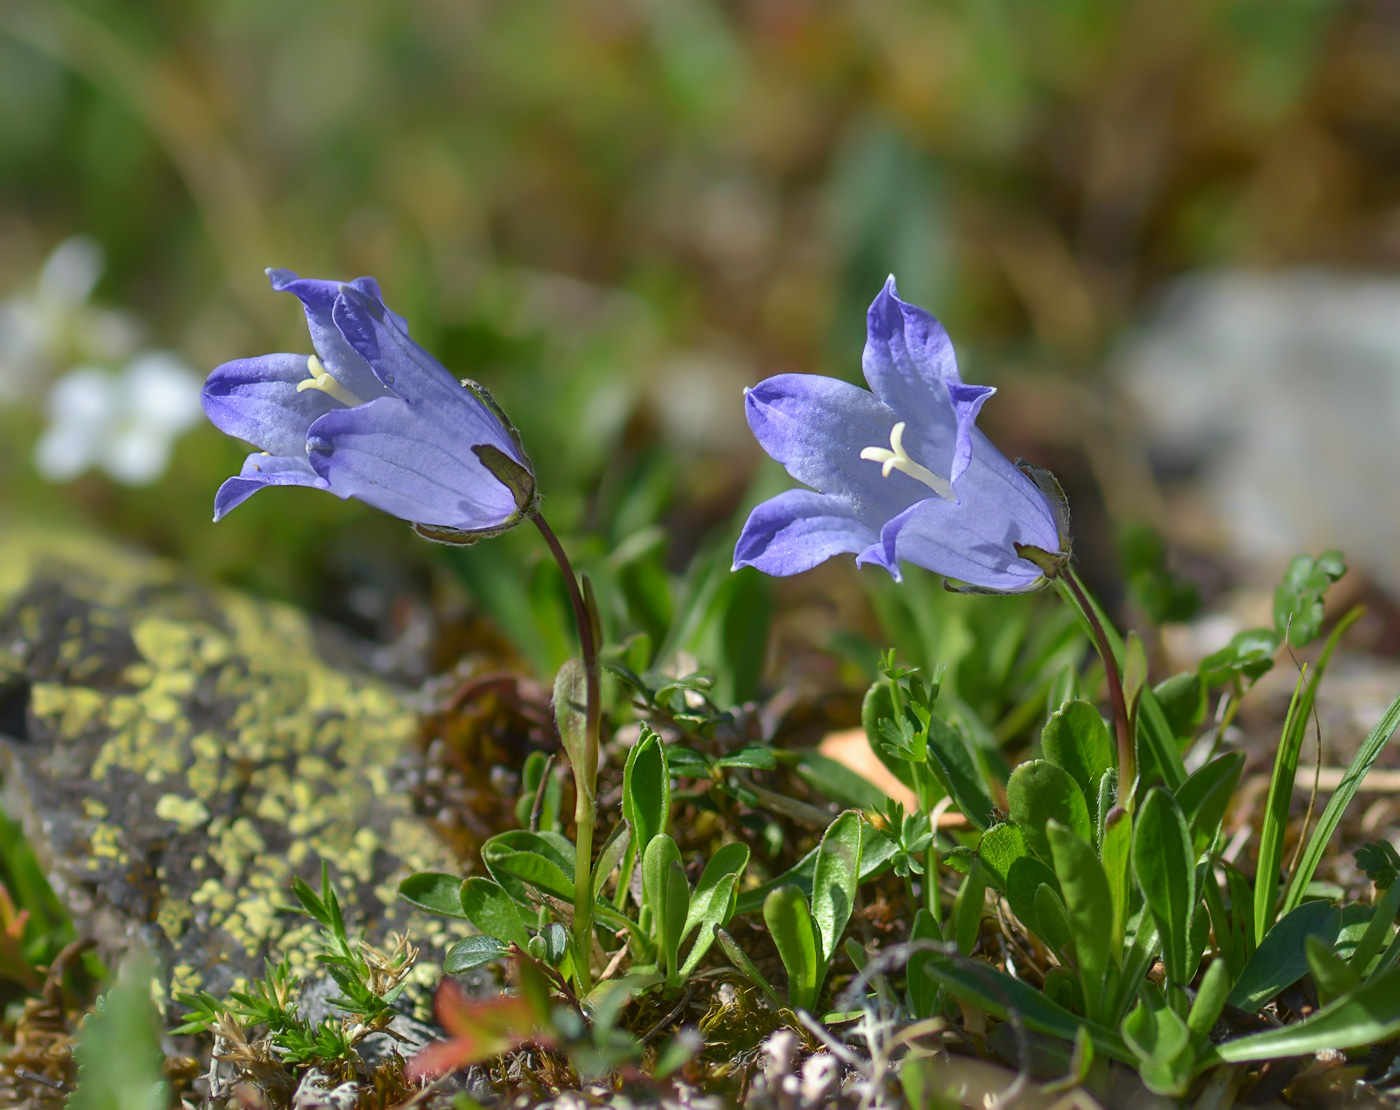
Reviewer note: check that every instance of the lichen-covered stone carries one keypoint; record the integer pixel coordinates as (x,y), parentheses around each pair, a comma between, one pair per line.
(177,753)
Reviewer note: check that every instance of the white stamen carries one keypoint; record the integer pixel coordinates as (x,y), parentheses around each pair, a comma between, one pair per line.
(894,457)
(321,379)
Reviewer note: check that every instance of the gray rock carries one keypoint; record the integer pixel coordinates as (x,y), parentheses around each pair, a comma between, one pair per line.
(1283,391)
(176,754)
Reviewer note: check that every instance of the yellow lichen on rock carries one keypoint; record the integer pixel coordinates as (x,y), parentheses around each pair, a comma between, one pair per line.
(193,750)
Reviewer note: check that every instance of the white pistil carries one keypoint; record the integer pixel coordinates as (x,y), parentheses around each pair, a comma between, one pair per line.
(321,379)
(894,457)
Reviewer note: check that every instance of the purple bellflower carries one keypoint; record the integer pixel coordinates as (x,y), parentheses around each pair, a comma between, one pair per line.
(373,416)
(898,474)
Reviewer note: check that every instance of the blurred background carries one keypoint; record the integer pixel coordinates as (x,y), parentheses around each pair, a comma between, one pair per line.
(1168,230)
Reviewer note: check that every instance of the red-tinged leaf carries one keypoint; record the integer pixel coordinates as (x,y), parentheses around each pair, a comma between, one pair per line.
(480,1030)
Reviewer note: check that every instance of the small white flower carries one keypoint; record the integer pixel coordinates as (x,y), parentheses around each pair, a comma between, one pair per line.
(53,327)
(124,422)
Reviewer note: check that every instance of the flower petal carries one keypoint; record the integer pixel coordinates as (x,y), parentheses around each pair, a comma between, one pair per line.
(797,530)
(260,470)
(411,372)
(337,356)
(970,541)
(967,403)
(908,356)
(256,399)
(817,427)
(412,460)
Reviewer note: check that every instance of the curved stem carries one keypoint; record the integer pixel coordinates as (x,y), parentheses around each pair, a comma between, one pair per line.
(585,777)
(1122,723)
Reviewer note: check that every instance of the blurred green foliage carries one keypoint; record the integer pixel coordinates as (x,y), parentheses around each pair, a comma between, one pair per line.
(617,213)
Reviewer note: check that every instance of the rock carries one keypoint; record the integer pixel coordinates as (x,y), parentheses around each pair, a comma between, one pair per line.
(177,753)
(1280,394)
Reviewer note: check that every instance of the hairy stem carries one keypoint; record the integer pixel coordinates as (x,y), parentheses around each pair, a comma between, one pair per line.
(586,776)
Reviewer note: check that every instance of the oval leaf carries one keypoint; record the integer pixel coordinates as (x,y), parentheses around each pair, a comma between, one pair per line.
(834,880)
(790,924)
(494,913)
(1076,740)
(646,790)
(434,892)
(473,952)
(1039,791)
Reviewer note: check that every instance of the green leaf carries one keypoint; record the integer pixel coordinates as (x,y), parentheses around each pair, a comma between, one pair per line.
(1281,958)
(475,951)
(1039,791)
(534,871)
(492,911)
(755,757)
(646,790)
(953,763)
(118,1051)
(1368,1015)
(923,992)
(879,706)
(1298,599)
(713,901)
(519,860)
(1162,1043)
(1206,795)
(1026,876)
(1183,701)
(1209,1002)
(875,855)
(834,880)
(1377,929)
(1277,806)
(1165,867)
(1380,862)
(1001,846)
(1158,753)
(993,991)
(967,908)
(1337,804)
(570,712)
(1281,790)
(611,856)
(1146,567)
(790,924)
(1331,974)
(668,894)
(1115,854)
(740,959)
(1090,904)
(434,892)
(1248,655)
(1053,919)
(1076,740)
(838,782)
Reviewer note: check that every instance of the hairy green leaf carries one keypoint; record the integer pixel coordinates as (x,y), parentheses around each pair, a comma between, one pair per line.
(492,911)
(1076,740)
(1039,791)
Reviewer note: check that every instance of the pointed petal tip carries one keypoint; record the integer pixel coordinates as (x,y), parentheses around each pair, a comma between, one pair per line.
(279,278)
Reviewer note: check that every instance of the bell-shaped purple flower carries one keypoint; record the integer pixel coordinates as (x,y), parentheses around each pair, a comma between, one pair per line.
(370,415)
(898,474)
